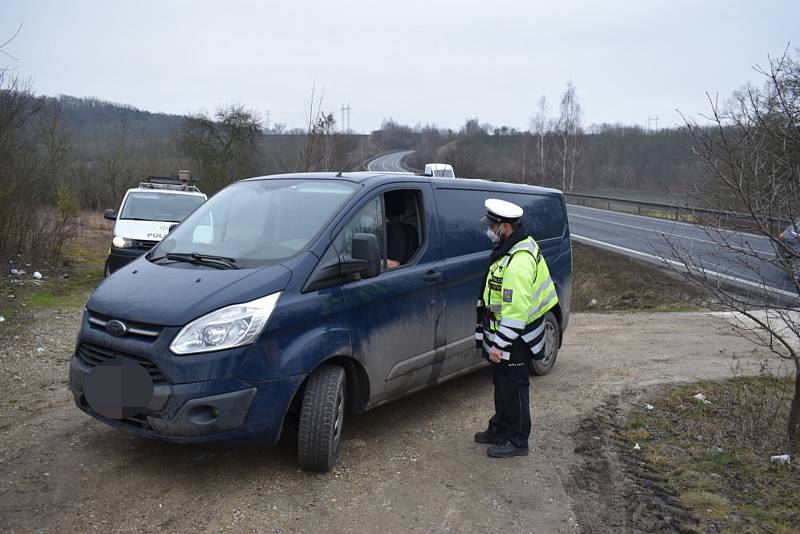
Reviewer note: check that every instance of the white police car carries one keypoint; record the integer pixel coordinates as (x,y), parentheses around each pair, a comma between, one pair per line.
(146,215)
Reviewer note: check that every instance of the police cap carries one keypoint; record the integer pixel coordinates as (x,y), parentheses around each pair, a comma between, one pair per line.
(500,211)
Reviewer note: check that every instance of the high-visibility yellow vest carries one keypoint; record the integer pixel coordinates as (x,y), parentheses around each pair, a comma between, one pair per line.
(517,295)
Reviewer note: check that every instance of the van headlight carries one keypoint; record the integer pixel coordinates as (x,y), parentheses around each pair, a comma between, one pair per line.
(121,242)
(225,328)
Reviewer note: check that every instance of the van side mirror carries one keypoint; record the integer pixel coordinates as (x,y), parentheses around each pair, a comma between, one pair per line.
(338,269)
(111,215)
(366,257)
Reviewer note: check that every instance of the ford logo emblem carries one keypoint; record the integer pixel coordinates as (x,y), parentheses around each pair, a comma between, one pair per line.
(116,328)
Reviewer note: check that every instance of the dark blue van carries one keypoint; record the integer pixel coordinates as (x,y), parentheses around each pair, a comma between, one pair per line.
(298,298)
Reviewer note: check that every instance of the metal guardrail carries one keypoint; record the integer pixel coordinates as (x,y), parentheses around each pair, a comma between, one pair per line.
(675,208)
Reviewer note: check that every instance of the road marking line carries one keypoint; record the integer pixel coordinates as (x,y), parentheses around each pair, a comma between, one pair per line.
(681,236)
(603,244)
(665,221)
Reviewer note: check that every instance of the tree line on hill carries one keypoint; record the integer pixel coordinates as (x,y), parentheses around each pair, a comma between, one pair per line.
(64,154)
(557,151)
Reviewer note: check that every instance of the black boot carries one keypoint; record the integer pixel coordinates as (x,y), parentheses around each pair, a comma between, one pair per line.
(487,436)
(506,449)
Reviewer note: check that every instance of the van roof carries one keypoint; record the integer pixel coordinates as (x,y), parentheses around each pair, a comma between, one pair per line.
(370,178)
(438,166)
(195,193)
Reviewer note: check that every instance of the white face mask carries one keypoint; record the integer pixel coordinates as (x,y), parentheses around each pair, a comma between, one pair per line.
(495,237)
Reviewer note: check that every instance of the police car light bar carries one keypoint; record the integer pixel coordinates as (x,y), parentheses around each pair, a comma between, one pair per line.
(184,182)
(171,180)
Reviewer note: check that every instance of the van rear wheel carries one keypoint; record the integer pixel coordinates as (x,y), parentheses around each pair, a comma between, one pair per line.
(552,336)
(321,419)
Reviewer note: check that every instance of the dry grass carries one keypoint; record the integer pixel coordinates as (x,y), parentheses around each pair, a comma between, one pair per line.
(619,283)
(65,284)
(717,456)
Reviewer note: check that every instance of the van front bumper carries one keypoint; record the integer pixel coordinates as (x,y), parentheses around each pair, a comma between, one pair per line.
(215,410)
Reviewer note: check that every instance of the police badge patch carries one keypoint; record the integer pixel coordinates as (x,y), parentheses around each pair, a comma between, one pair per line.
(507,295)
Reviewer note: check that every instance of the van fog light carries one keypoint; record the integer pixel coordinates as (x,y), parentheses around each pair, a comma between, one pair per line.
(225,328)
(203,415)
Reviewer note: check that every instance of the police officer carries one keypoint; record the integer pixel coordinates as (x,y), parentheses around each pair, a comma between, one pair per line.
(516,294)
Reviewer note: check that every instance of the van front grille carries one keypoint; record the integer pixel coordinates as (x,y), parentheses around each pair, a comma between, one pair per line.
(92,355)
(145,330)
(138,420)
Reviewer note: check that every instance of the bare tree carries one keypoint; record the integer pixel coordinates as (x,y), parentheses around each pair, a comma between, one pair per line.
(322,135)
(753,155)
(570,132)
(540,126)
(57,145)
(223,146)
(317,150)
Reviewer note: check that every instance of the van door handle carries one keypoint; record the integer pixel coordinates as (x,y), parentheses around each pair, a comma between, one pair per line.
(432,276)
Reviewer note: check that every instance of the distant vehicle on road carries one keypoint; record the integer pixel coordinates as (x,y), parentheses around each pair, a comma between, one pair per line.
(439,170)
(790,237)
(275,303)
(146,215)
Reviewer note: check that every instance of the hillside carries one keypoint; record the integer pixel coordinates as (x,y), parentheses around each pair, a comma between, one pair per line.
(91,119)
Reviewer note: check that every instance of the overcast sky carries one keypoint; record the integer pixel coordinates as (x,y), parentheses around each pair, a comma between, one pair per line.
(415,61)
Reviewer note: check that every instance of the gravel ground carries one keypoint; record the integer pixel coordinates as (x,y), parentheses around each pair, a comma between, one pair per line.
(407,466)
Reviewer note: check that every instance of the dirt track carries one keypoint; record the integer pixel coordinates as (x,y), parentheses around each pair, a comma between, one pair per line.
(408,466)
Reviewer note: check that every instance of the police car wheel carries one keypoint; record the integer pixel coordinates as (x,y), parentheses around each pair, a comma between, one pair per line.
(321,419)
(551,343)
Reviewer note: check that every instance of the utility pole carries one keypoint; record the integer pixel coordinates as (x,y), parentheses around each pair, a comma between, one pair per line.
(267,121)
(650,121)
(346,109)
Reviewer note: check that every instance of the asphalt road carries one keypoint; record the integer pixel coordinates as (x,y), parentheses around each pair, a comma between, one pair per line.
(735,257)
(389,162)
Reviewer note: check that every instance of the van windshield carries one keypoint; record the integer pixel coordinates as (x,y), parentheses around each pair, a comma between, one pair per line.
(258,223)
(158,206)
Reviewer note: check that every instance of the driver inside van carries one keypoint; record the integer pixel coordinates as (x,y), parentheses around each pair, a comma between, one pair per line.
(402,239)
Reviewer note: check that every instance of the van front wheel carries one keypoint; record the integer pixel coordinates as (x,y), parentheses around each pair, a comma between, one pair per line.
(321,418)
(552,336)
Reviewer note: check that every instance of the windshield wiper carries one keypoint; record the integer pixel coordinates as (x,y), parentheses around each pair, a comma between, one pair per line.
(218,262)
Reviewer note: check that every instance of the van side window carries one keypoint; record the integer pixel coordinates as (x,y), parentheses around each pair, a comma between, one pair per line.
(404,226)
(369,220)
(545,217)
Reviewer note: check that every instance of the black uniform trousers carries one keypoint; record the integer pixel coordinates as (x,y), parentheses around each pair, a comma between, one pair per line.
(512,413)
